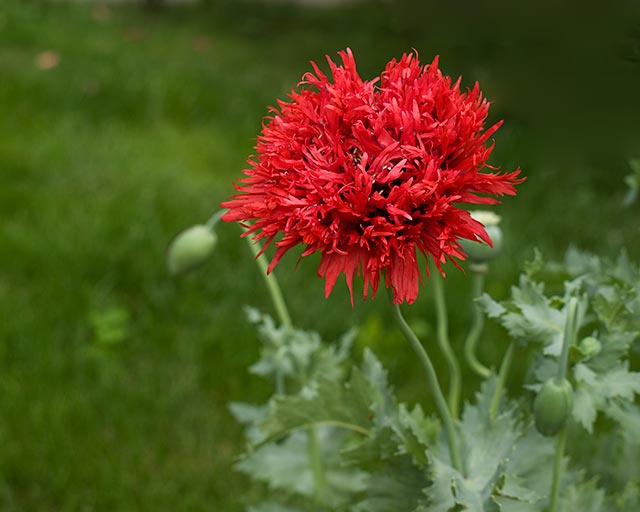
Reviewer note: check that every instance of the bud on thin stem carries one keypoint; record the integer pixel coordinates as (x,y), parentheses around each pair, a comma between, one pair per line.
(570,332)
(480,252)
(190,249)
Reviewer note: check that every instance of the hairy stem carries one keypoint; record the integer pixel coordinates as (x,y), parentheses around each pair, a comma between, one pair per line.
(455,376)
(471,342)
(434,387)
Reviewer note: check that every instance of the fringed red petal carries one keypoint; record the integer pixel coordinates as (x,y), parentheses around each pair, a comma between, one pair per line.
(371,172)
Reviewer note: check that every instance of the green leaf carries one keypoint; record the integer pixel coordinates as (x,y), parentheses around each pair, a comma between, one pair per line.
(487,447)
(403,432)
(510,505)
(249,415)
(615,346)
(595,392)
(614,288)
(607,455)
(530,316)
(354,405)
(629,499)
(584,409)
(284,466)
(492,308)
(298,355)
(514,491)
(614,307)
(529,464)
(619,382)
(372,452)
(578,263)
(397,486)
(627,415)
(330,403)
(443,491)
(486,443)
(624,270)
(415,433)
(585,497)
(372,382)
(534,266)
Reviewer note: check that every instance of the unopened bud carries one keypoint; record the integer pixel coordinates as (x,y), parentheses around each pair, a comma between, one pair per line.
(589,347)
(190,249)
(552,406)
(479,251)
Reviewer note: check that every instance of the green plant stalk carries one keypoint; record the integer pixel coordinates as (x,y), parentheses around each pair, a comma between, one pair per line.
(272,284)
(320,485)
(471,342)
(215,218)
(505,366)
(315,456)
(455,376)
(561,441)
(279,383)
(570,331)
(434,387)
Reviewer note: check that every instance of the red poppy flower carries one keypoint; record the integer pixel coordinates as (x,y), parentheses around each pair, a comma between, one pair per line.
(371,172)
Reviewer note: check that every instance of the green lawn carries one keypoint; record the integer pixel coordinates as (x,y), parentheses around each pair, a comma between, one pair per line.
(114,377)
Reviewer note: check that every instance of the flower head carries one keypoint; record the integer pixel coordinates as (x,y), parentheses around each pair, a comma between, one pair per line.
(369,173)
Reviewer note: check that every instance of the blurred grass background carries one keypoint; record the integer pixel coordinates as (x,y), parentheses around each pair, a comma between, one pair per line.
(114,377)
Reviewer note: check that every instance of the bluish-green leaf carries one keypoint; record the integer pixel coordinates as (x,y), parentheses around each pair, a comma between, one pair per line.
(284,466)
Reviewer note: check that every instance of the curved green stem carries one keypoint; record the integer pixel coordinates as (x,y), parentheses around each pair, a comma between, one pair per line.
(215,218)
(455,376)
(502,380)
(272,284)
(471,342)
(434,387)
(570,332)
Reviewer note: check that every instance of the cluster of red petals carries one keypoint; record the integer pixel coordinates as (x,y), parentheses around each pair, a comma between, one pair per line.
(370,172)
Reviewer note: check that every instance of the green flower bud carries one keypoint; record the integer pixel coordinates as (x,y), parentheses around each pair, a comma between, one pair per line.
(190,248)
(480,252)
(552,406)
(589,347)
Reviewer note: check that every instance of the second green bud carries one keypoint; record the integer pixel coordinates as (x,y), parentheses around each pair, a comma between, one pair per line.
(552,406)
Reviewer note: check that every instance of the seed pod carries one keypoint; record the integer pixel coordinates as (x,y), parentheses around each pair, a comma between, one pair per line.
(552,406)
(190,248)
